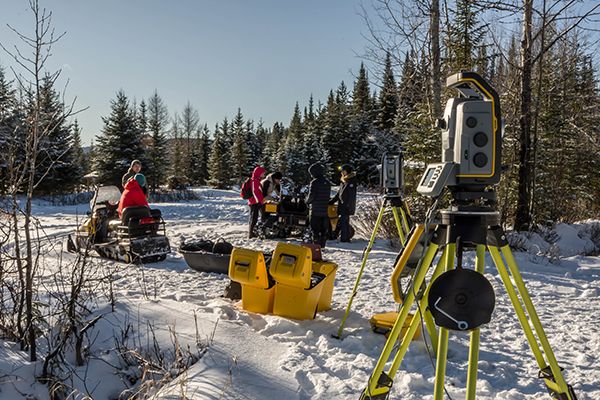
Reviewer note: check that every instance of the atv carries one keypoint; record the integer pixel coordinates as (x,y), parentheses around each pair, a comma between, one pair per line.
(138,236)
(289,218)
(286,218)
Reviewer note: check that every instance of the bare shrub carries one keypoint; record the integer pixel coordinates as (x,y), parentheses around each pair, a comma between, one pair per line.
(145,369)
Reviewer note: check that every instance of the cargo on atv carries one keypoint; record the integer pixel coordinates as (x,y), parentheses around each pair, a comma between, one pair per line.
(286,218)
(290,218)
(139,235)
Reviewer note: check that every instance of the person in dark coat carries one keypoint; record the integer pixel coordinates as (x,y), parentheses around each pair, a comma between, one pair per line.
(257,200)
(318,200)
(134,168)
(346,199)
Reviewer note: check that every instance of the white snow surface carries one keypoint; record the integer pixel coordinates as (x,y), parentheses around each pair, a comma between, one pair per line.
(251,356)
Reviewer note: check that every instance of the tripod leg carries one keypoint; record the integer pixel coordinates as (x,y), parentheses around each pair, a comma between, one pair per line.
(553,378)
(399,226)
(379,383)
(421,313)
(362,267)
(405,215)
(442,350)
(475,335)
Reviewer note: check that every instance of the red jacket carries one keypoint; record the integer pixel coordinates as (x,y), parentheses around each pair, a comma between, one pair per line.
(257,194)
(132,196)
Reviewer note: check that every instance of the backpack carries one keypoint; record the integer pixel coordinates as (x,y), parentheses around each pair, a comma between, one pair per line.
(246,191)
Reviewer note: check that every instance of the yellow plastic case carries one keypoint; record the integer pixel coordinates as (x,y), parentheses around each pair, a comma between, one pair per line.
(384,322)
(292,265)
(329,269)
(248,267)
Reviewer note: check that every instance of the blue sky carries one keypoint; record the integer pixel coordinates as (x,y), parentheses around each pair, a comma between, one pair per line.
(261,55)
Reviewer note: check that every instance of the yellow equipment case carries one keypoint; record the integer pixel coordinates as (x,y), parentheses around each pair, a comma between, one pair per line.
(248,267)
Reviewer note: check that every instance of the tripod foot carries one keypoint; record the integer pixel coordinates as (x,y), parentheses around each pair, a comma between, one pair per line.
(384,384)
(553,389)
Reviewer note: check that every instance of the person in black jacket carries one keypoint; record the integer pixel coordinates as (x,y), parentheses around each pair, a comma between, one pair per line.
(318,200)
(346,199)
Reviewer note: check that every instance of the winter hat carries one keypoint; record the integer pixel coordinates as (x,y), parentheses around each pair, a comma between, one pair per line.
(316,170)
(141,179)
(136,162)
(276,175)
(347,167)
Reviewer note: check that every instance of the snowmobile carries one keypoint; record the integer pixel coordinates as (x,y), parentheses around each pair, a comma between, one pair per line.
(138,236)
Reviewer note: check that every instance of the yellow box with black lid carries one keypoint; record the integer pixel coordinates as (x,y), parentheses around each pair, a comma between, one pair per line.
(328,269)
(298,289)
(248,267)
(271,208)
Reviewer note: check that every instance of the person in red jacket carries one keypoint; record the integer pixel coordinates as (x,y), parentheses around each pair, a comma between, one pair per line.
(133,194)
(257,200)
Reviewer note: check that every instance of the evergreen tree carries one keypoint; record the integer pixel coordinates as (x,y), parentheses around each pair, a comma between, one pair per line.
(313,150)
(465,39)
(387,106)
(158,120)
(294,164)
(218,165)
(55,167)
(200,157)
(119,142)
(189,124)
(10,154)
(80,160)
(331,133)
(239,151)
(364,156)
(177,144)
(142,118)
(257,142)
(273,149)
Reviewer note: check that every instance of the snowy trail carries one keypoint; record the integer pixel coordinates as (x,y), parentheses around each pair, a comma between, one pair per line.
(267,357)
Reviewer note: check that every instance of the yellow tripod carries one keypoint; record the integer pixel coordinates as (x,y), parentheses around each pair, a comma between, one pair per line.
(403,222)
(479,230)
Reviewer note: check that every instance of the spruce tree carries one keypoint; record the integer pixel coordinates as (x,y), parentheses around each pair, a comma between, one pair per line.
(364,156)
(158,120)
(294,164)
(465,39)
(218,163)
(189,124)
(331,133)
(273,148)
(387,106)
(10,144)
(119,142)
(200,155)
(55,161)
(80,160)
(239,150)
(142,118)
(177,151)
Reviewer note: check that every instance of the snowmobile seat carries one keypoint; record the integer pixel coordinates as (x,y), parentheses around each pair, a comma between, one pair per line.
(134,212)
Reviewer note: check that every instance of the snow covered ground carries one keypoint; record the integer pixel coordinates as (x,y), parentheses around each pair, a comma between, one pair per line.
(266,357)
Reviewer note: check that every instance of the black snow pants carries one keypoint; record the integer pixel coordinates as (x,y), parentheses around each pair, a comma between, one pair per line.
(254,211)
(320,229)
(345,232)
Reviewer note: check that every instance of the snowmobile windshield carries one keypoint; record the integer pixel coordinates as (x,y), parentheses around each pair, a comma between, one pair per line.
(106,194)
